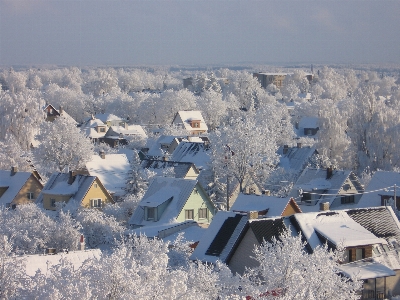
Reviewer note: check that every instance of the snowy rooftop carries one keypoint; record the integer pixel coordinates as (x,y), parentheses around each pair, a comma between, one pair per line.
(131,130)
(337,227)
(381,183)
(308,122)
(107,117)
(187,116)
(191,152)
(366,270)
(274,205)
(295,158)
(43,263)
(160,190)
(13,183)
(89,128)
(181,169)
(112,171)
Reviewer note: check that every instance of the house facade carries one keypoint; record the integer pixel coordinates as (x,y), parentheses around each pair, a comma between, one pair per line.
(18,188)
(192,121)
(62,187)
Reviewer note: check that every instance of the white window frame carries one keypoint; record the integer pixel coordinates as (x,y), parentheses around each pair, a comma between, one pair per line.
(96,203)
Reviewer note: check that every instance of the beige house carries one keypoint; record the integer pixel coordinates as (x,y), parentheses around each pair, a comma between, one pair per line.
(192,121)
(266,79)
(18,187)
(85,189)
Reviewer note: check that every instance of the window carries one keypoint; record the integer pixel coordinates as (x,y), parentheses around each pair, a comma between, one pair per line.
(95,185)
(53,202)
(189,214)
(102,129)
(347,199)
(360,253)
(95,203)
(306,196)
(203,213)
(151,212)
(29,196)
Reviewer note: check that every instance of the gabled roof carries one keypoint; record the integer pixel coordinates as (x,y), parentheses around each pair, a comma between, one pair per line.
(89,128)
(191,152)
(220,237)
(112,171)
(381,183)
(335,227)
(36,262)
(162,189)
(273,206)
(58,185)
(108,117)
(315,181)
(13,183)
(132,130)
(180,168)
(186,117)
(62,113)
(155,149)
(308,122)
(295,158)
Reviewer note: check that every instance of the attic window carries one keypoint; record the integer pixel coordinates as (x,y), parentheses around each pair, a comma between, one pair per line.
(195,123)
(150,213)
(95,203)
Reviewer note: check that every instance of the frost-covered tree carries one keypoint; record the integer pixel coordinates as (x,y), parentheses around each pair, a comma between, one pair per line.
(11,154)
(286,269)
(213,108)
(62,145)
(138,178)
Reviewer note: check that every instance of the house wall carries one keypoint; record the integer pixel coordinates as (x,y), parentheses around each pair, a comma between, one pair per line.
(393,284)
(289,210)
(242,256)
(98,192)
(59,198)
(196,201)
(32,185)
(191,174)
(391,287)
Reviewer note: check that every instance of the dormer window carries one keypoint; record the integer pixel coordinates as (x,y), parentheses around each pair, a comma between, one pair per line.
(102,129)
(195,123)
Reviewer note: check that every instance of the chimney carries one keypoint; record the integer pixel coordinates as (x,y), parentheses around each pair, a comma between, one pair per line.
(71,177)
(285,149)
(165,158)
(14,170)
(298,145)
(102,154)
(82,243)
(324,206)
(61,110)
(252,215)
(266,192)
(329,172)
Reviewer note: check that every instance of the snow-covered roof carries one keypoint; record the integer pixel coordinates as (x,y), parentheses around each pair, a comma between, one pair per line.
(14,183)
(274,205)
(89,128)
(162,189)
(308,122)
(43,263)
(112,171)
(187,116)
(181,169)
(58,185)
(366,270)
(107,117)
(132,130)
(337,227)
(295,158)
(220,218)
(381,183)
(196,153)
(62,113)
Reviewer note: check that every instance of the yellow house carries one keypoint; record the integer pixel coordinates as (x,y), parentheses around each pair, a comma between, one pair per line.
(62,187)
(18,187)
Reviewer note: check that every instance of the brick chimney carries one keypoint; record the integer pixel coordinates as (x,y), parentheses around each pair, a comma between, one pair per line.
(298,145)
(324,206)
(71,177)
(14,170)
(329,172)
(285,149)
(82,242)
(61,110)
(102,154)
(252,215)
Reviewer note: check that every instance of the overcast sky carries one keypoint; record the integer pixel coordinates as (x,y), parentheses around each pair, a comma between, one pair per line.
(190,32)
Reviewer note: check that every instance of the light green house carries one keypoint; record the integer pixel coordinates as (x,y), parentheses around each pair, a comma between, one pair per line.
(171,202)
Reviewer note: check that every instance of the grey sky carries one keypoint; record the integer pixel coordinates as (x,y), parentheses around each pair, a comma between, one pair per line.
(115,32)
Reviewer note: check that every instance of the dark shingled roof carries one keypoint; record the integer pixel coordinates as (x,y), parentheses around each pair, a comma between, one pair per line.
(223,235)
(377,220)
(266,229)
(180,168)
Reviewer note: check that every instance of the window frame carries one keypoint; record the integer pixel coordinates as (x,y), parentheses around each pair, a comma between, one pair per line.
(347,199)
(30,195)
(96,203)
(151,216)
(53,202)
(189,212)
(203,213)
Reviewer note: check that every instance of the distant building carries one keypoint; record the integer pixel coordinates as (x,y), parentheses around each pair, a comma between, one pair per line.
(271,78)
